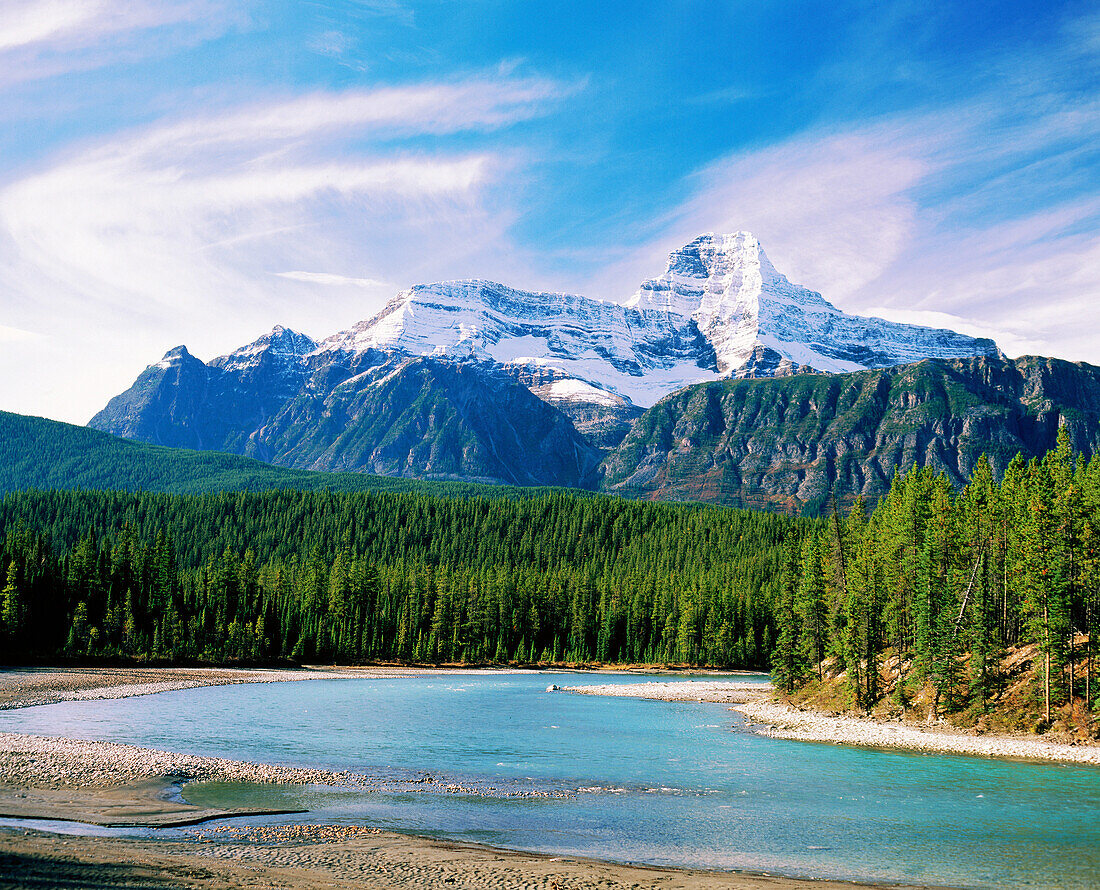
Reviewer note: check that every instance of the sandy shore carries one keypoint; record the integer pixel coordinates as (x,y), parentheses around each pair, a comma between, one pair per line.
(726,692)
(27,687)
(111,784)
(296,857)
(777,720)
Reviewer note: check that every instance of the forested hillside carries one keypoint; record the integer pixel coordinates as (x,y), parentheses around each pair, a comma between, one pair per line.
(921,601)
(352,577)
(46,454)
(792,443)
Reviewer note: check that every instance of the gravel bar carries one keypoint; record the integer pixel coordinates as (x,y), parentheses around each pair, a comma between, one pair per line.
(780,721)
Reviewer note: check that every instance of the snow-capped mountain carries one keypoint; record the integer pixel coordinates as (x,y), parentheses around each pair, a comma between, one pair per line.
(476,380)
(720,309)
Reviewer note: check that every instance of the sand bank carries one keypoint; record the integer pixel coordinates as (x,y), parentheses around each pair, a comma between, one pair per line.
(726,692)
(781,721)
(55,763)
(296,857)
(777,720)
(28,687)
(113,784)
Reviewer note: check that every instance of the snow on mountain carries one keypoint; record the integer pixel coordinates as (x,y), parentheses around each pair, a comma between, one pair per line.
(281,345)
(720,309)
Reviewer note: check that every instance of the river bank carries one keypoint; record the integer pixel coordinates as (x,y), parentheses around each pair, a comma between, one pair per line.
(297,857)
(29,687)
(51,778)
(778,720)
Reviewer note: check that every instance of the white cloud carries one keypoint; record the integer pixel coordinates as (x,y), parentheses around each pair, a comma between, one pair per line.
(385,112)
(833,210)
(45,38)
(64,24)
(186,230)
(332,279)
(919,218)
(35,21)
(15,335)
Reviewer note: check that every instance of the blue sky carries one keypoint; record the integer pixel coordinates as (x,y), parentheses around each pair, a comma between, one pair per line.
(196,171)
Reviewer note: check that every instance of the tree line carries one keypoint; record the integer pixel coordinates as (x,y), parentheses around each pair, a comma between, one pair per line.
(387,576)
(931,589)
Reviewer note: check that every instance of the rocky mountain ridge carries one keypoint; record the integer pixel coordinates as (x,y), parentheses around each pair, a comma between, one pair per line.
(791,443)
(720,309)
(478,381)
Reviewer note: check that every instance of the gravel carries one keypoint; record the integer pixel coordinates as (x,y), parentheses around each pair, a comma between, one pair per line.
(780,721)
(29,761)
(726,692)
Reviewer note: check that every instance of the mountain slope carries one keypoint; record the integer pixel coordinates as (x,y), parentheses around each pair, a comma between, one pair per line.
(369,412)
(36,453)
(434,420)
(717,306)
(474,380)
(788,443)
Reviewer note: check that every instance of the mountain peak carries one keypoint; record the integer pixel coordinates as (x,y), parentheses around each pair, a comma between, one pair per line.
(714,255)
(284,347)
(703,274)
(174,356)
(719,309)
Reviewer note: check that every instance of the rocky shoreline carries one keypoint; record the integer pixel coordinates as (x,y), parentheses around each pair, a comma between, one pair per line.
(53,762)
(727,692)
(30,687)
(781,721)
(108,783)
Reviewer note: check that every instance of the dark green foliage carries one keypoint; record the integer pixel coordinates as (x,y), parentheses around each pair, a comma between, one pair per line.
(46,454)
(794,443)
(389,576)
(788,661)
(945,583)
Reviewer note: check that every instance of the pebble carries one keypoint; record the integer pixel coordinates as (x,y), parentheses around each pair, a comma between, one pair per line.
(776,720)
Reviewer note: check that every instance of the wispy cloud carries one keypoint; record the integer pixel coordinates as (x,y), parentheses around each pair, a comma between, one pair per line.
(192,224)
(42,38)
(36,21)
(15,335)
(981,215)
(331,279)
(432,109)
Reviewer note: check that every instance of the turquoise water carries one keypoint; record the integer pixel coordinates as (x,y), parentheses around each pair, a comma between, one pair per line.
(664,783)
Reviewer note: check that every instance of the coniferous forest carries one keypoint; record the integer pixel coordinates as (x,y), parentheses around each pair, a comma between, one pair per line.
(387,576)
(925,595)
(922,596)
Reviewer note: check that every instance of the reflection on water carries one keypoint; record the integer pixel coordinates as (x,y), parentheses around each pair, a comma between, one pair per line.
(635,780)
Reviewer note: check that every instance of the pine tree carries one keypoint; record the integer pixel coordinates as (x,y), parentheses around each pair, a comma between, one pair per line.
(1045,579)
(811,606)
(788,665)
(11,608)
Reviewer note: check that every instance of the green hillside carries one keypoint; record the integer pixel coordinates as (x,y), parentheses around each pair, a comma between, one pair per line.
(48,455)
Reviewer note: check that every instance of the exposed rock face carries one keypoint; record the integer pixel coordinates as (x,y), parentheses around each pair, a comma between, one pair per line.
(788,443)
(182,402)
(370,411)
(716,311)
(430,420)
(586,368)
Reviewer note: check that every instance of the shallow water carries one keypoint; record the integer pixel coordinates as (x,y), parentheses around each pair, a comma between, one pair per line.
(665,783)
